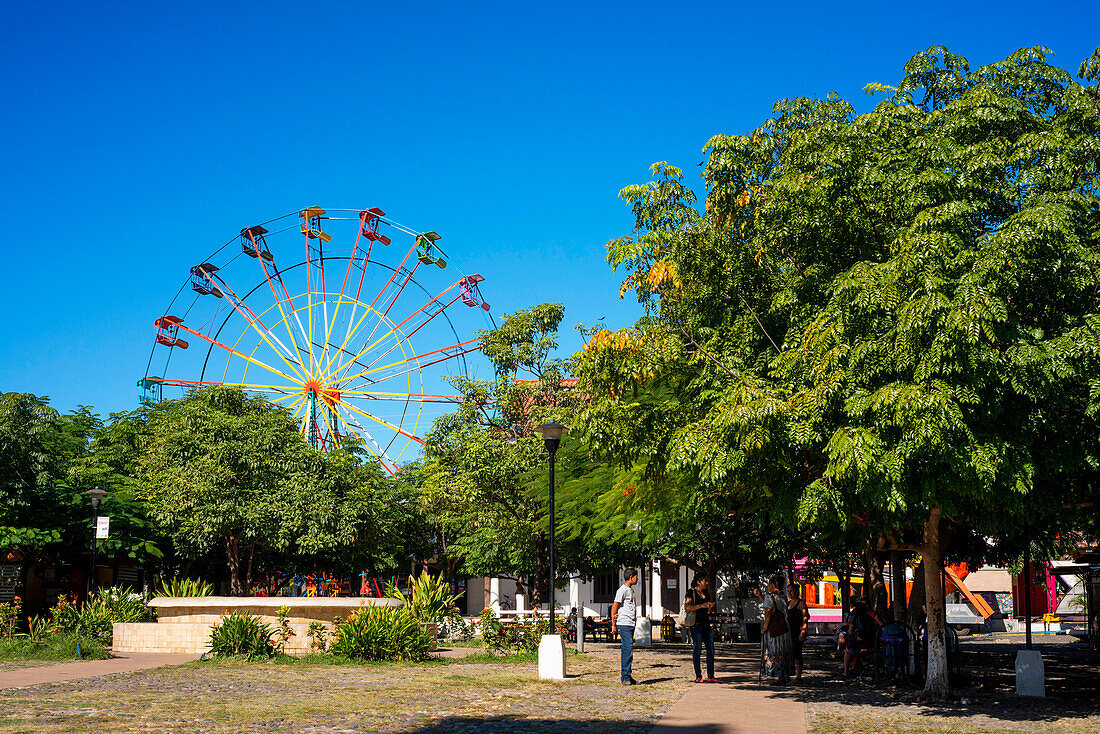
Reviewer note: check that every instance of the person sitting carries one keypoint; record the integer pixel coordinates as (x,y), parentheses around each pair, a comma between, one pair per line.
(859,637)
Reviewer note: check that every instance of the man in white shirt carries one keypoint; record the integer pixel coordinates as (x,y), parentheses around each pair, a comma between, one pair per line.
(624,613)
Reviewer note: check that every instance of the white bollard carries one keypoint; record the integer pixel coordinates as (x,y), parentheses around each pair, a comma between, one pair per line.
(552,658)
(643,632)
(1030,674)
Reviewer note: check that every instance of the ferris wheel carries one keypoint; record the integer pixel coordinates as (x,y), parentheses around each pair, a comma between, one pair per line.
(350,320)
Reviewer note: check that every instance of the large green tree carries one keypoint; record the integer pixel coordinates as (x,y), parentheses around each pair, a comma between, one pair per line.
(224,470)
(483,478)
(886,320)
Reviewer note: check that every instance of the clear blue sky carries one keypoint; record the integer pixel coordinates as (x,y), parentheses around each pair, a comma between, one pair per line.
(138,137)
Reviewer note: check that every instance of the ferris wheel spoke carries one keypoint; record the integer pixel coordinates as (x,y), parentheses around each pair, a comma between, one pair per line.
(262,329)
(376,419)
(243,356)
(340,299)
(247,386)
(401,396)
(370,308)
(455,350)
(278,301)
(377,451)
(382,317)
(425,308)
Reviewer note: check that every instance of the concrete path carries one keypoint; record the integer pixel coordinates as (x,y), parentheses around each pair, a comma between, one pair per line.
(126,662)
(736,706)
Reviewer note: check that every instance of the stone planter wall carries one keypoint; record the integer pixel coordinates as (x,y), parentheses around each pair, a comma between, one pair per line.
(184,623)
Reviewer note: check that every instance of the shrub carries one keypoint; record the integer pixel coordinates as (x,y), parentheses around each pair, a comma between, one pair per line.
(459,630)
(283,631)
(242,634)
(429,598)
(177,586)
(9,617)
(382,633)
(96,619)
(523,635)
(319,635)
(37,630)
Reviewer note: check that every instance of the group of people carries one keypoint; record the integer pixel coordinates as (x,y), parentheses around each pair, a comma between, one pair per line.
(785,622)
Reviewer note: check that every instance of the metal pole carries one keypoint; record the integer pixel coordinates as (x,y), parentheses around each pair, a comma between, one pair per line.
(95,544)
(1027,595)
(553,451)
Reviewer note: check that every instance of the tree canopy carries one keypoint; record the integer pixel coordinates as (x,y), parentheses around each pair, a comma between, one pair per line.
(226,469)
(886,320)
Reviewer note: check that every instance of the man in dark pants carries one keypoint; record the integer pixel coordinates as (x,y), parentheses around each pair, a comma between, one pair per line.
(624,614)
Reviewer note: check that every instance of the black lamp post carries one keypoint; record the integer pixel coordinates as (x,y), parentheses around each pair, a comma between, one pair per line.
(96,496)
(551,436)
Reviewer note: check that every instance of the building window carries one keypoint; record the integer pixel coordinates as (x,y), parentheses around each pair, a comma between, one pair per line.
(605,585)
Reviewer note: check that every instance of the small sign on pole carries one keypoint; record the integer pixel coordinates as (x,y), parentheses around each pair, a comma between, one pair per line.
(102,527)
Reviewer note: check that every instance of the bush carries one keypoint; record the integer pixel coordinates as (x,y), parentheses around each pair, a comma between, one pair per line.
(523,635)
(319,635)
(9,617)
(242,634)
(459,630)
(177,586)
(429,598)
(96,619)
(382,633)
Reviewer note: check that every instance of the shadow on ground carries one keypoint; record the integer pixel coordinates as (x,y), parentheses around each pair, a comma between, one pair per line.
(984,687)
(457,725)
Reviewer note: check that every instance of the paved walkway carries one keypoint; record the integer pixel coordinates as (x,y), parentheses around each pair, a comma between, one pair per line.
(126,662)
(738,705)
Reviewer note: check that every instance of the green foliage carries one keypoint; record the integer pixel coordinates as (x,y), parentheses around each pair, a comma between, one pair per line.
(242,634)
(96,619)
(283,630)
(382,633)
(53,647)
(227,472)
(521,635)
(483,478)
(880,325)
(458,629)
(319,636)
(429,598)
(9,617)
(177,586)
(38,629)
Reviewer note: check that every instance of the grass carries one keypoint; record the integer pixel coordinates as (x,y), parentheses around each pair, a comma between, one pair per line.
(54,647)
(323,692)
(328,659)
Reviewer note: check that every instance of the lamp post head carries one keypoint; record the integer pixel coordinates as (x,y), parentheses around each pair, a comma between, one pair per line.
(97,496)
(551,434)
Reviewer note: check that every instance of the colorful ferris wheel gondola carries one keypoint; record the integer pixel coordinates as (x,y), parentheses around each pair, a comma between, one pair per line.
(357,341)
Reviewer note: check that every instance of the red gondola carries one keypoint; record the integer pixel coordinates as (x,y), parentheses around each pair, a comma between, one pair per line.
(167,329)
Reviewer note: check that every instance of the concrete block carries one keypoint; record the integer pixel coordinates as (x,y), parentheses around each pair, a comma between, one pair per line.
(1030,674)
(643,632)
(552,658)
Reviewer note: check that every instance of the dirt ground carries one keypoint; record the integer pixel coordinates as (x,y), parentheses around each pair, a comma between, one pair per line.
(325,699)
(505,697)
(985,691)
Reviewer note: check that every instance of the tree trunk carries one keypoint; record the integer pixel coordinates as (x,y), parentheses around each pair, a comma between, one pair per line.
(916,597)
(897,585)
(248,573)
(233,553)
(874,586)
(936,683)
